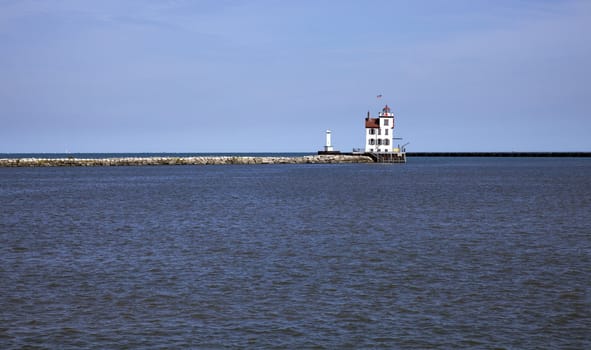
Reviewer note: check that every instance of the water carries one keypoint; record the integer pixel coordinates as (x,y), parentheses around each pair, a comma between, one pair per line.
(438,253)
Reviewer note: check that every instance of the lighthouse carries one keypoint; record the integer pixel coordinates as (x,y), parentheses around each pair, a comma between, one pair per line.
(328,145)
(379,137)
(379,132)
(328,148)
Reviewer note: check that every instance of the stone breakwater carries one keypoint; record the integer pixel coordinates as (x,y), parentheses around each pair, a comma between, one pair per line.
(133,161)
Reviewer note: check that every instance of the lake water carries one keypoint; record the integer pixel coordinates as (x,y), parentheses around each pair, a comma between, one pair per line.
(438,253)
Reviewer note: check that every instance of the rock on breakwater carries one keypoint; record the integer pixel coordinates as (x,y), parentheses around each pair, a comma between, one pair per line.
(213,160)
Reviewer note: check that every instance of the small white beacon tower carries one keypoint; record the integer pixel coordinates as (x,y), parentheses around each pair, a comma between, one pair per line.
(328,146)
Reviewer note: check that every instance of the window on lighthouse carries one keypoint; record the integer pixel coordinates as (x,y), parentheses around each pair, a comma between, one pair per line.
(386,121)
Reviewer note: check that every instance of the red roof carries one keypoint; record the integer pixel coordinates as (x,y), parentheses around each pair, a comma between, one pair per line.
(372,123)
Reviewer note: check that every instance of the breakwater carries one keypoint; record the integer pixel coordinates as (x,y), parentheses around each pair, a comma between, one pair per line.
(204,160)
(499,154)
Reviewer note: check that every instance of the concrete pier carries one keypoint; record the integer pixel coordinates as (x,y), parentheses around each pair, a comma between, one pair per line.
(213,160)
(500,154)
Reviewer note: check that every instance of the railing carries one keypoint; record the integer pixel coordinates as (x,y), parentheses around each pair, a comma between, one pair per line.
(391,157)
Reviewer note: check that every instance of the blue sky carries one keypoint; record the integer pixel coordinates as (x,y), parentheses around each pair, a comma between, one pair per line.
(273,75)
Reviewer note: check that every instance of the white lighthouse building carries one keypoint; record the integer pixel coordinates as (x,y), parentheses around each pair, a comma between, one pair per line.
(379,132)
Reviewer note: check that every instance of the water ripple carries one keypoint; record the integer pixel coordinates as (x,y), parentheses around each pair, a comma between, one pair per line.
(433,254)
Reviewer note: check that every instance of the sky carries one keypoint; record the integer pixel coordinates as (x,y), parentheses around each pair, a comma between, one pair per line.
(273,75)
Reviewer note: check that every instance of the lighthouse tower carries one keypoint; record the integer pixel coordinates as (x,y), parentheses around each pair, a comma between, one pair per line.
(379,132)
(328,146)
